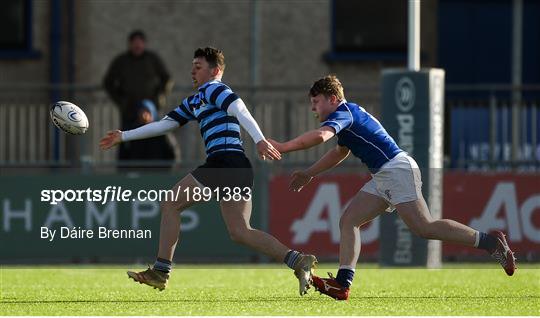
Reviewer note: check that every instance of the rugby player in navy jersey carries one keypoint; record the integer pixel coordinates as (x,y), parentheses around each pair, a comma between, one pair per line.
(395,184)
(220,113)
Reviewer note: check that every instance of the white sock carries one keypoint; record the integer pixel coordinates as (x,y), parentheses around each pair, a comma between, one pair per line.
(476,238)
(346,267)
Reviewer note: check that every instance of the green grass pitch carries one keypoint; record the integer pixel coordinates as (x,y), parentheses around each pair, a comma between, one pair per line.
(267,290)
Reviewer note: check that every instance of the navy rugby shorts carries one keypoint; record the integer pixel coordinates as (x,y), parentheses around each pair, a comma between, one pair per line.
(225,169)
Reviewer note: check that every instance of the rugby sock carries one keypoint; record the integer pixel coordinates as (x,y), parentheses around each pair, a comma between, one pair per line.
(345,276)
(486,241)
(476,239)
(163,265)
(291,258)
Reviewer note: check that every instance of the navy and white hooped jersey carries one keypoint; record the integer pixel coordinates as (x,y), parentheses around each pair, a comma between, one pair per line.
(208,106)
(363,134)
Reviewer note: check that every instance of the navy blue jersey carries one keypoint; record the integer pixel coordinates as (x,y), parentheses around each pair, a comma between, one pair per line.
(208,106)
(362,133)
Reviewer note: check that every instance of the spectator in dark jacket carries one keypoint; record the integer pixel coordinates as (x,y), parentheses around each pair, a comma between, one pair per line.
(135,77)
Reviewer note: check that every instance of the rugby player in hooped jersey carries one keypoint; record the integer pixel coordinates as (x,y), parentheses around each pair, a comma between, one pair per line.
(396,183)
(220,113)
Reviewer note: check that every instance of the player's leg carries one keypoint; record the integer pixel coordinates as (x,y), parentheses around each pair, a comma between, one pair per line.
(417,217)
(401,179)
(363,208)
(158,275)
(170,216)
(237,214)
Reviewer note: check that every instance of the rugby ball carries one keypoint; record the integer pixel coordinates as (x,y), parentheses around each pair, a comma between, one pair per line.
(69,117)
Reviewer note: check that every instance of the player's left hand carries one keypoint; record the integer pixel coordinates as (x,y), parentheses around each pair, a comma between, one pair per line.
(267,151)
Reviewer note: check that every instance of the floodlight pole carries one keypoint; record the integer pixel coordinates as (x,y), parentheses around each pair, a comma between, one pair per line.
(413,56)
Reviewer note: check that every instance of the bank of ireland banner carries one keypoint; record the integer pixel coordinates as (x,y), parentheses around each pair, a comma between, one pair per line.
(309,220)
(502,201)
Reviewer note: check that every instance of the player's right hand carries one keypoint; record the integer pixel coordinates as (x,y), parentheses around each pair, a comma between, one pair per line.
(299,180)
(111,139)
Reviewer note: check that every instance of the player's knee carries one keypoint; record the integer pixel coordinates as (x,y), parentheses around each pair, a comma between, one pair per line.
(165,206)
(431,232)
(425,230)
(172,207)
(346,221)
(416,228)
(238,235)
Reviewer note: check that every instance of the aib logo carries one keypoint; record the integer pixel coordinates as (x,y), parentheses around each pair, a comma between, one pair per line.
(405,94)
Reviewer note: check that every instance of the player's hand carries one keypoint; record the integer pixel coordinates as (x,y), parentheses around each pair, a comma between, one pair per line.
(267,151)
(299,180)
(278,145)
(111,139)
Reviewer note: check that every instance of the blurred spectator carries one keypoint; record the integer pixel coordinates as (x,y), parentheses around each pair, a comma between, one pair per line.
(137,81)
(156,148)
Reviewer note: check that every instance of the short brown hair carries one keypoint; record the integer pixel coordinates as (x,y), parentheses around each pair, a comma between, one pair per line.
(213,56)
(328,86)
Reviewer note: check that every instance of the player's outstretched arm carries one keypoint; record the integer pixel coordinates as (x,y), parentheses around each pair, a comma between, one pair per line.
(157,128)
(306,140)
(264,148)
(331,159)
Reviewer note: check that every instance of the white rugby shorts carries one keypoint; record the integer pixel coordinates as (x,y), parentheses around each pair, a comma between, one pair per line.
(397,181)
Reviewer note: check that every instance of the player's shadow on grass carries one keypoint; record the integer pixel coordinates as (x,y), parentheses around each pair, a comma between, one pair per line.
(257,299)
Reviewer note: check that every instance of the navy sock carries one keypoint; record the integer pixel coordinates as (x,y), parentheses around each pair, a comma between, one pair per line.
(345,277)
(291,258)
(163,265)
(487,242)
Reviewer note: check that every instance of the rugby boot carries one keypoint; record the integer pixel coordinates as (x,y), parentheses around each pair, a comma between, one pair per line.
(503,254)
(330,287)
(303,270)
(150,277)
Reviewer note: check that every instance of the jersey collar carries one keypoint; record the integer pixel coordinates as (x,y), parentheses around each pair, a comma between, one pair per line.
(205,85)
